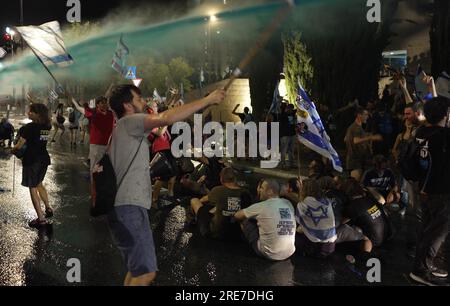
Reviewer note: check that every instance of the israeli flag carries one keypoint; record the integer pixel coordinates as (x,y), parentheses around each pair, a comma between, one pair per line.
(47,42)
(120,57)
(311,131)
(275,107)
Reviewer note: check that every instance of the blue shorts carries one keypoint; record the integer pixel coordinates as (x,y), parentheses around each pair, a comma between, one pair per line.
(132,235)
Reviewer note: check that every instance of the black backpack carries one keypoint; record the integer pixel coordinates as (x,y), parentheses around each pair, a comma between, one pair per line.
(105,186)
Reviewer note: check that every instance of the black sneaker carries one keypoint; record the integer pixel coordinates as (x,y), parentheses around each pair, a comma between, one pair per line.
(427,279)
(36,223)
(441,273)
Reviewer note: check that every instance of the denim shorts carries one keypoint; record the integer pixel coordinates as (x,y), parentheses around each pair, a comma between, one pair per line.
(132,235)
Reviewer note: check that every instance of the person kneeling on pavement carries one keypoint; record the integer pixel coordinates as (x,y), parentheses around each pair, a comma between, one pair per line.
(269,226)
(214,212)
(345,233)
(363,211)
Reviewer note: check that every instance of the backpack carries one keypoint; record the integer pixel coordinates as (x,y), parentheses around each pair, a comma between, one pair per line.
(72,116)
(414,159)
(105,186)
(60,119)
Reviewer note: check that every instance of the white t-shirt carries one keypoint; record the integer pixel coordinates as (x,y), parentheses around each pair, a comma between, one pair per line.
(276,223)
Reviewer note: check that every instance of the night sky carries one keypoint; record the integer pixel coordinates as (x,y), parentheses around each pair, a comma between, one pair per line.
(41,11)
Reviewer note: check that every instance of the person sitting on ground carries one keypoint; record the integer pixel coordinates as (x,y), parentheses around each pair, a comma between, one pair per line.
(316,233)
(204,178)
(6,132)
(272,236)
(363,211)
(291,191)
(344,232)
(214,212)
(382,179)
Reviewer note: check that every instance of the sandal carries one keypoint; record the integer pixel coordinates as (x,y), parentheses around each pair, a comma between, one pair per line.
(37,223)
(48,212)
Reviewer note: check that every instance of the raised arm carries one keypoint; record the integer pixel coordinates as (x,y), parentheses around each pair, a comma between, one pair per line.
(234,110)
(78,106)
(405,91)
(182,112)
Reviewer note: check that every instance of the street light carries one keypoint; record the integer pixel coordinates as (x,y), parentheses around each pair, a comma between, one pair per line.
(213,18)
(10,32)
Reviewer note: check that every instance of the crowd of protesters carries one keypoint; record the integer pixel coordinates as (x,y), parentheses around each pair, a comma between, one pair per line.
(312,216)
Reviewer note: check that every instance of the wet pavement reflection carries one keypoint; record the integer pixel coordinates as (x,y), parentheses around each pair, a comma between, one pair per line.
(32,257)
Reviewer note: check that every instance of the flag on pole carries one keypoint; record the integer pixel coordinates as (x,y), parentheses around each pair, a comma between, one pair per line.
(47,43)
(53,95)
(443,85)
(120,57)
(275,107)
(311,131)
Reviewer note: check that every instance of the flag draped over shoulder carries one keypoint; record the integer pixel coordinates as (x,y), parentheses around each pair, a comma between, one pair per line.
(47,43)
(120,57)
(311,131)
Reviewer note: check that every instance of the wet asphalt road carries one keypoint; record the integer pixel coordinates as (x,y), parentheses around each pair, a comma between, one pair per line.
(32,257)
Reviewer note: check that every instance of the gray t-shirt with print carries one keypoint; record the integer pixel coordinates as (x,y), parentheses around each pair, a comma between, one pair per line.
(126,138)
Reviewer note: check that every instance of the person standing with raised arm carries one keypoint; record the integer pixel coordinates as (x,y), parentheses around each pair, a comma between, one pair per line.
(129,220)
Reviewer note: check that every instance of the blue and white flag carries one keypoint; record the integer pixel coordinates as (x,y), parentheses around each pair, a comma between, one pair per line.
(275,107)
(47,43)
(311,131)
(120,57)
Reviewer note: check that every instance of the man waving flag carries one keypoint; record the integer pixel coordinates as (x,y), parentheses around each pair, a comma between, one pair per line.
(311,131)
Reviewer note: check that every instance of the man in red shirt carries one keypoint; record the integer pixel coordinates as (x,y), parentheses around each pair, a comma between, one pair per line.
(160,143)
(101,123)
